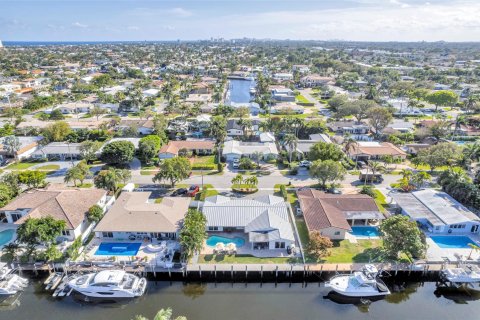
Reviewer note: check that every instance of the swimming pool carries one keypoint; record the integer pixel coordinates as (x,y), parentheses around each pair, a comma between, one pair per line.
(6,236)
(452,242)
(213,240)
(117,249)
(365,231)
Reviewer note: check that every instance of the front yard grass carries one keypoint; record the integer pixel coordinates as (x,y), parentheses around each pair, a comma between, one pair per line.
(301,99)
(21,165)
(204,160)
(380,200)
(302,231)
(243,259)
(49,167)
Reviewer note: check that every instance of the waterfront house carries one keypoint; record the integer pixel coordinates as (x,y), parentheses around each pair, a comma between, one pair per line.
(70,205)
(333,215)
(264,220)
(283,95)
(303,146)
(234,149)
(197,147)
(356,130)
(373,150)
(437,212)
(136,217)
(235,130)
(315,80)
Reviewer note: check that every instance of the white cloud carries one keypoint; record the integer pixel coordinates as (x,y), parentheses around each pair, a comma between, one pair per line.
(169,28)
(133,28)
(79,25)
(180,12)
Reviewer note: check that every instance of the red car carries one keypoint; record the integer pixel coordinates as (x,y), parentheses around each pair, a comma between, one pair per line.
(192,191)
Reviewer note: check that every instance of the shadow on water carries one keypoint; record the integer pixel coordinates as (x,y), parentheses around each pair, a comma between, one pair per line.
(362,304)
(194,290)
(460,295)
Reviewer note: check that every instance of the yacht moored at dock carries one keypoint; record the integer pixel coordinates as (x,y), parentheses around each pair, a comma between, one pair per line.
(109,284)
(11,284)
(363,284)
(464,274)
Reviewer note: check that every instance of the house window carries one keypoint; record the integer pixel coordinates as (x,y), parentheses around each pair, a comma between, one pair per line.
(107,234)
(212,228)
(279,245)
(337,233)
(66,233)
(16,216)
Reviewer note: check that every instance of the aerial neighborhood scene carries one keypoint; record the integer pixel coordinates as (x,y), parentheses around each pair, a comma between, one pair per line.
(175,170)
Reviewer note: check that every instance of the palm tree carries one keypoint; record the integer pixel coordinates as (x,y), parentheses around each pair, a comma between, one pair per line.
(375,166)
(349,145)
(406,174)
(291,142)
(252,180)
(238,179)
(257,155)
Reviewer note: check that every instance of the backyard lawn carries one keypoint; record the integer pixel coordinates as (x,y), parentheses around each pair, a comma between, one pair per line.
(346,252)
(302,230)
(242,259)
(301,99)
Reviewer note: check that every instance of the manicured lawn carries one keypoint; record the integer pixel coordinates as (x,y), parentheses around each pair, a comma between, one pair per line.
(380,200)
(21,165)
(302,230)
(243,259)
(205,160)
(49,167)
(426,167)
(346,252)
(85,185)
(301,99)
(147,172)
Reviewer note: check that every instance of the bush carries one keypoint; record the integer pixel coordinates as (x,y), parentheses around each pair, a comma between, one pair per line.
(283,191)
(220,167)
(368,190)
(293,169)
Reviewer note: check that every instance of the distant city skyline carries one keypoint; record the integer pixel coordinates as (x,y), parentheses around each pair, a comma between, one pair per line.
(351,20)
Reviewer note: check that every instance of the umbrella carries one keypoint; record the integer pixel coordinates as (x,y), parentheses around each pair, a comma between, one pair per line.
(231,246)
(219,247)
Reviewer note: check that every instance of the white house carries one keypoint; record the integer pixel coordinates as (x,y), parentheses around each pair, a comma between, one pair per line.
(265,220)
(237,149)
(280,77)
(150,93)
(69,205)
(437,212)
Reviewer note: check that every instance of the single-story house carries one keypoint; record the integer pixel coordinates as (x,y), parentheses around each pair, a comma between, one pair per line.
(333,214)
(287,108)
(399,126)
(357,130)
(264,219)
(414,148)
(282,76)
(234,149)
(70,205)
(197,147)
(266,137)
(303,146)
(73,108)
(283,94)
(437,212)
(371,150)
(28,145)
(235,130)
(134,217)
(134,141)
(144,127)
(315,80)
(58,151)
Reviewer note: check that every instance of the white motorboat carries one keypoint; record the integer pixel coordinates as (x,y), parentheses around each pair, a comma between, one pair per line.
(11,284)
(463,274)
(109,284)
(361,284)
(4,270)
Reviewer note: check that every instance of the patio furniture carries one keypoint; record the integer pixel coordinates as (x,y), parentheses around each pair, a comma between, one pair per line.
(219,248)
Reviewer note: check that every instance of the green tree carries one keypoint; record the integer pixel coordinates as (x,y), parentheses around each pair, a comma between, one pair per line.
(40,231)
(11,180)
(56,115)
(379,118)
(291,142)
(438,155)
(442,98)
(148,147)
(325,151)
(192,234)
(318,245)
(89,149)
(118,152)
(77,173)
(57,131)
(400,235)
(95,213)
(97,112)
(102,81)
(327,171)
(108,179)
(32,178)
(174,170)
(5,194)
(12,144)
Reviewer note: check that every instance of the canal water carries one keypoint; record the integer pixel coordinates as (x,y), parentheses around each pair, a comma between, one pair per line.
(239,91)
(241,301)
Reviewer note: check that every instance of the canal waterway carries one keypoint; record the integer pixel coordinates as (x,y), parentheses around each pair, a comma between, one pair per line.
(250,301)
(239,91)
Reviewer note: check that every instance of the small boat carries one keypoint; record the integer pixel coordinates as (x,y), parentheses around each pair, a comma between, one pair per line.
(362,284)
(4,270)
(465,274)
(109,284)
(11,284)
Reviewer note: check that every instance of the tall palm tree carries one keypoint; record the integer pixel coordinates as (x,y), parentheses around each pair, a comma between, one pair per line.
(291,142)
(375,166)
(351,144)
(405,173)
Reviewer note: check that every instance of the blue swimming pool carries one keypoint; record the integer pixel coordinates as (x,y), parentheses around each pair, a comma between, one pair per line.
(6,236)
(452,242)
(365,232)
(213,240)
(117,249)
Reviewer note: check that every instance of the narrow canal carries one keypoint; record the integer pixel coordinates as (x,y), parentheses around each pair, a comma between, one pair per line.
(250,301)
(239,91)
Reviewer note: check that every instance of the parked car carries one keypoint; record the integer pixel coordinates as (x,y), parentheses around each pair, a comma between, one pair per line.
(193,190)
(334,191)
(236,163)
(305,163)
(179,192)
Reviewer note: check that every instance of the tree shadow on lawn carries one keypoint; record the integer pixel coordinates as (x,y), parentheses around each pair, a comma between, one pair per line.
(216,257)
(370,255)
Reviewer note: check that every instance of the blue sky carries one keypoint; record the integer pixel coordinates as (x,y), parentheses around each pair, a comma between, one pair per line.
(363,20)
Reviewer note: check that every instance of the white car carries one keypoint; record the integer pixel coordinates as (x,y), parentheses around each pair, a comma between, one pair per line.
(305,163)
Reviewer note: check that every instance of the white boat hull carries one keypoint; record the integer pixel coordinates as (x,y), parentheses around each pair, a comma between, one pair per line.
(341,285)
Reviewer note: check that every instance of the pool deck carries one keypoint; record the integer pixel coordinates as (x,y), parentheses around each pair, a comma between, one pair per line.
(437,254)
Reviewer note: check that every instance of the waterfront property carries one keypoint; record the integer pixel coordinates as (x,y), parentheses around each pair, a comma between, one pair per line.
(264,221)
(333,215)
(437,212)
(134,218)
(69,205)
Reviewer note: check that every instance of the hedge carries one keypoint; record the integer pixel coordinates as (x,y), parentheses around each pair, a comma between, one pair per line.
(204,167)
